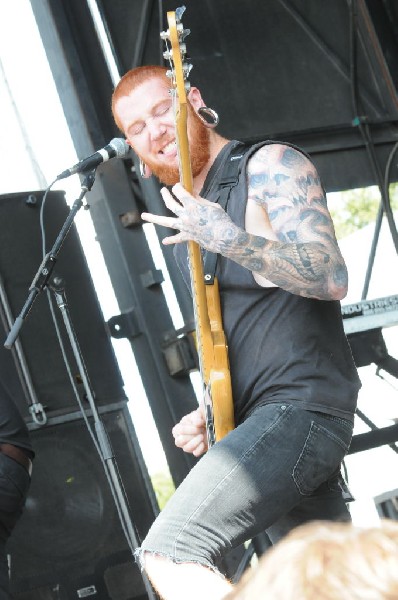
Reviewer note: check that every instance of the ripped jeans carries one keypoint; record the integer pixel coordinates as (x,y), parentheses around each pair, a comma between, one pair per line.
(276,470)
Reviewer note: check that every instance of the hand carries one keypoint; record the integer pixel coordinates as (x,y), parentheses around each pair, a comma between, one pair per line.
(198,220)
(190,433)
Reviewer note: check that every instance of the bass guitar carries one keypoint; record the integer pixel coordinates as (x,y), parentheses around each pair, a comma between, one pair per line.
(210,338)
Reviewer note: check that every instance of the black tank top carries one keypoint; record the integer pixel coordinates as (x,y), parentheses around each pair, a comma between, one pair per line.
(282,347)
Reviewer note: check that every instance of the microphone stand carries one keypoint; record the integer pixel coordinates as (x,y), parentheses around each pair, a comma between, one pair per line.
(43,274)
(39,282)
(104,445)
(36,409)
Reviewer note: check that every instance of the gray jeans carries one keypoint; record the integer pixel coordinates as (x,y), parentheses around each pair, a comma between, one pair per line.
(276,470)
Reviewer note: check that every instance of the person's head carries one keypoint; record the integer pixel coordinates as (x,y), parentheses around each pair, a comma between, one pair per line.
(327,561)
(143,110)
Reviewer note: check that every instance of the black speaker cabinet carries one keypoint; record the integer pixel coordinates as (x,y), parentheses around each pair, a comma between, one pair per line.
(69,542)
(20,258)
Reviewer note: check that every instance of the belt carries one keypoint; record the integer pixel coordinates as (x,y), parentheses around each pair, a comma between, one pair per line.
(18,455)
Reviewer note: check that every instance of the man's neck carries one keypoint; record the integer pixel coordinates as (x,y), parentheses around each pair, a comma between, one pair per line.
(217,142)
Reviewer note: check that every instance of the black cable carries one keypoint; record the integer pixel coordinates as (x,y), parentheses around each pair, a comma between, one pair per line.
(161,28)
(362,123)
(69,371)
(388,169)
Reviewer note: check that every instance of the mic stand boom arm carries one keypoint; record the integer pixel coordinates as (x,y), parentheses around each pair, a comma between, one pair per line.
(43,274)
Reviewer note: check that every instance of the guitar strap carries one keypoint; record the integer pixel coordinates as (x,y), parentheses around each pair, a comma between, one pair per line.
(229,179)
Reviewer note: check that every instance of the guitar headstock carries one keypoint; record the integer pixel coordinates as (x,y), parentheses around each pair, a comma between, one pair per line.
(176,53)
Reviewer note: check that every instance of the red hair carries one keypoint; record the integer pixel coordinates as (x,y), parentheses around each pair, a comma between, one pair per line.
(133,79)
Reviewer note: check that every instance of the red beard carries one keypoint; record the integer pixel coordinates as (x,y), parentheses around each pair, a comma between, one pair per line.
(199,153)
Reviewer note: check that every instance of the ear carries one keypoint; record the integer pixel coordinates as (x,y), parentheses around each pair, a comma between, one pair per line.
(195,98)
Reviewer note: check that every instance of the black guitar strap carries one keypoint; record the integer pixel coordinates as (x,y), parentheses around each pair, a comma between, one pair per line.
(229,179)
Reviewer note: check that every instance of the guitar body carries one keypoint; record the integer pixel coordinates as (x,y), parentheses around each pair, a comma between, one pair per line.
(210,338)
(220,377)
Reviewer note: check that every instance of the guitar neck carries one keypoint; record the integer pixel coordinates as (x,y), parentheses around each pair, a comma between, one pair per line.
(184,158)
(210,339)
(202,322)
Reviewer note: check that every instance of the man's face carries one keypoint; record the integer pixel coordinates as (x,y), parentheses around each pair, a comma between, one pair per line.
(148,123)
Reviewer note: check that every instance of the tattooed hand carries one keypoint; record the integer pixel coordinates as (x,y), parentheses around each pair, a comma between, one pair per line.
(197,220)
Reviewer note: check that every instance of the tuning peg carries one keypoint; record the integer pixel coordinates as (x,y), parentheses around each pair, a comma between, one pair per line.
(167,55)
(187,68)
(169,74)
(179,12)
(185,33)
(164,35)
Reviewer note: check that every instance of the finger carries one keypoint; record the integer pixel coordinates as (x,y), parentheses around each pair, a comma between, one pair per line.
(161,220)
(188,442)
(185,197)
(181,193)
(201,449)
(158,219)
(187,419)
(181,440)
(188,429)
(175,239)
(171,202)
(193,444)
(196,447)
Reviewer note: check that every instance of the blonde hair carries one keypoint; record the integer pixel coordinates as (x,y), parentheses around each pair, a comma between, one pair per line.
(329,561)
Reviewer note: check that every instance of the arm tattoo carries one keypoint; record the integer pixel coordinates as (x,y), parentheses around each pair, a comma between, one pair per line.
(306,259)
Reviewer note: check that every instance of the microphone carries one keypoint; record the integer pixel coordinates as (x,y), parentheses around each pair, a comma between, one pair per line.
(117,147)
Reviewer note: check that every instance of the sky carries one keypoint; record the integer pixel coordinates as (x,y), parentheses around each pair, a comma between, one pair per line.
(35,146)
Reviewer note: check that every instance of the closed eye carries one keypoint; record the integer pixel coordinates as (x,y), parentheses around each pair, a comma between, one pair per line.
(137,129)
(162,109)
(158,111)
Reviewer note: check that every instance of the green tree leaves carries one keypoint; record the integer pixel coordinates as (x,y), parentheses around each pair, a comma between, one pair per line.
(356,208)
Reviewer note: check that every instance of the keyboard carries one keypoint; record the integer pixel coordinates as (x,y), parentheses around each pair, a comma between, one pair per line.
(370,314)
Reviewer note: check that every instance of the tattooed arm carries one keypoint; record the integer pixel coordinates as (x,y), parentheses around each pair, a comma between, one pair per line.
(305,259)
(300,254)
